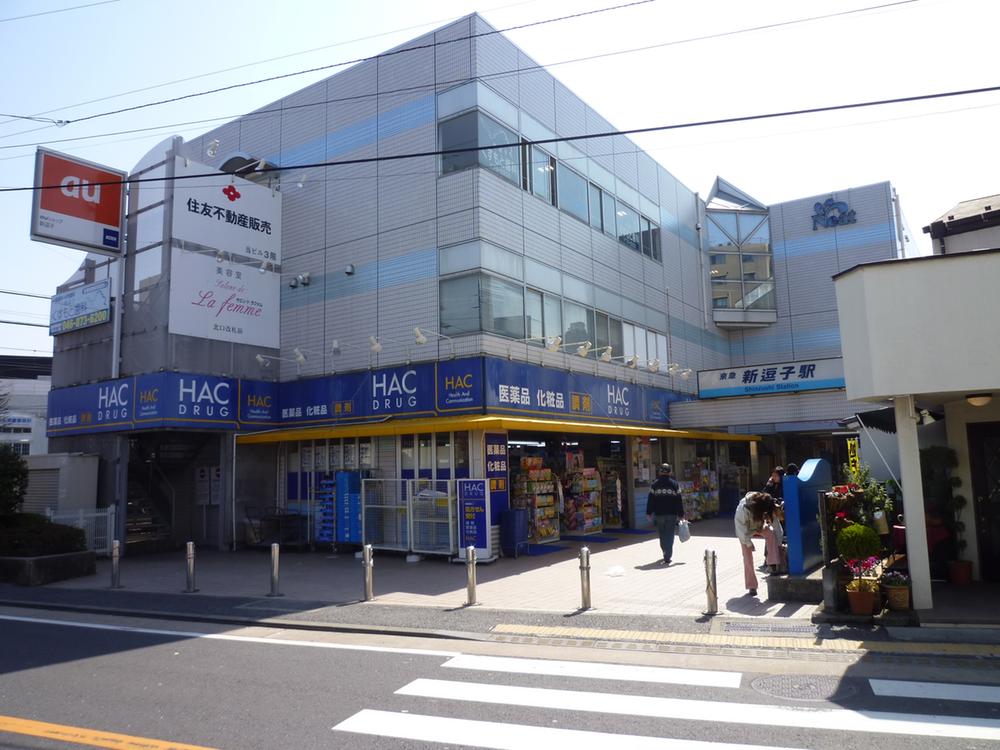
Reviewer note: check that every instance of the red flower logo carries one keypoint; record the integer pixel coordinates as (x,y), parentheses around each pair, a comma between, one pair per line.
(231,192)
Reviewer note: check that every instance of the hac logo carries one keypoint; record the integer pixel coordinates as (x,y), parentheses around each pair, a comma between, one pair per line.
(203,399)
(832,213)
(455,382)
(392,391)
(112,402)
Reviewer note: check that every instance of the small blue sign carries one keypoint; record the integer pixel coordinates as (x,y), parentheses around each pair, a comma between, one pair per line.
(474,522)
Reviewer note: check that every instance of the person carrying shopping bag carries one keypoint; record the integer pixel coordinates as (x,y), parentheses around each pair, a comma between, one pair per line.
(665,508)
(755,517)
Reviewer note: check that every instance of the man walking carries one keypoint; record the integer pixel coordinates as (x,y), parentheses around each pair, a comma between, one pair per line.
(665,508)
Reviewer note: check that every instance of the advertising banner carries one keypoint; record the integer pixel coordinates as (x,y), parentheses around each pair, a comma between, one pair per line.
(77,203)
(223,301)
(497,473)
(785,377)
(474,518)
(85,306)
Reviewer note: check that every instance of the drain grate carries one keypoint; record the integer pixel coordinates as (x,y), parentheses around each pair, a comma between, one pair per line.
(755,628)
(804,687)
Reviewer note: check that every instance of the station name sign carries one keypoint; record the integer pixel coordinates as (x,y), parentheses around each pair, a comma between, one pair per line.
(785,377)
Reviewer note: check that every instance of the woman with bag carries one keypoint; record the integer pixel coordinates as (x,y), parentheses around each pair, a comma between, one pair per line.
(755,517)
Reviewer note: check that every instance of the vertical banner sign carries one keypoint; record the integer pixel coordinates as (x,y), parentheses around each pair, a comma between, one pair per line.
(853,460)
(77,203)
(496,473)
(474,518)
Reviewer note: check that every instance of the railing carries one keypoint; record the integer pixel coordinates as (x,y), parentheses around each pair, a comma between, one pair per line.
(98,526)
(417,515)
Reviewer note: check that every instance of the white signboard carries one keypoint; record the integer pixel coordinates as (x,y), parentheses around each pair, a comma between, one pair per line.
(85,306)
(226,213)
(77,203)
(785,377)
(222,301)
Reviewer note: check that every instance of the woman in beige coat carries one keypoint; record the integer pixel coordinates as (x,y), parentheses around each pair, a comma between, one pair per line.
(755,517)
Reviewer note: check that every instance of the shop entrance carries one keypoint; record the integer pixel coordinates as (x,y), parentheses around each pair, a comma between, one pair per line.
(984,463)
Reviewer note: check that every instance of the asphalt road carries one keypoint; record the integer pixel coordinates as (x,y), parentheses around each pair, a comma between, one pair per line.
(174,683)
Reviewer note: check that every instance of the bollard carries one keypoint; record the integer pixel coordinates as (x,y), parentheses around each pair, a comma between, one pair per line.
(275,568)
(116,578)
(367,564)
(190,569)
(470,575)
(584,578)
(711,590)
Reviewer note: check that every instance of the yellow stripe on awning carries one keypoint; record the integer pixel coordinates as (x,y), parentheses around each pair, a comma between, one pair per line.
(478,422)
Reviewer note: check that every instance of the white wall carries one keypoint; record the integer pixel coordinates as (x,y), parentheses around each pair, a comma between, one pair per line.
(982,239)
(921,326)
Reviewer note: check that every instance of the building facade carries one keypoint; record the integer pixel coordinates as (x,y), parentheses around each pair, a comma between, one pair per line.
(472,290)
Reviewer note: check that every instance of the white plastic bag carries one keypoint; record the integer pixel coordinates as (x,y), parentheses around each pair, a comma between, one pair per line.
(683,530)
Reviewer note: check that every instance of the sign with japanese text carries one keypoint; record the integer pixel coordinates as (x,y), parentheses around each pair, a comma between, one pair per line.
(223,301)
(786,377)
(853,461)
(474,517)
(77,203)
(497,474)
(82,307)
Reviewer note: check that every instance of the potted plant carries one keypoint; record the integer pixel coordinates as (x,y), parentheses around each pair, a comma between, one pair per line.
(895,584)
(936,464)
(859,547)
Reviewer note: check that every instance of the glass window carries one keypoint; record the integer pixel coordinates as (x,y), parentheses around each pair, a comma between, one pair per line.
(628,339)
(628,226)
(640,346)
(573,193)
(727,294)
(601,336)
(541,173)
(760,296)
(654,233)
(724,266)
(443,454)
(458,132)
(578,323)
(651,345)
(425,452)
(533,314)
(646,238)
(407,458)
(459,302)
(754,231)
(758,267)
(504,161)
(461,443)
(596,213)
(661,350)
(148,266)
(722,230)
(502,307)
(608,207)
(615,331)
(553,316)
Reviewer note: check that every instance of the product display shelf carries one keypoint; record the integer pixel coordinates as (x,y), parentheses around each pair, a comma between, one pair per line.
(700,489)
(582,504)
(535,491)
(611,504)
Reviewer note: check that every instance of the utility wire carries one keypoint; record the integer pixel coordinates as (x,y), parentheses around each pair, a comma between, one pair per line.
(19,323)
(421,87)
(25,294)
(50,12)
(562,139)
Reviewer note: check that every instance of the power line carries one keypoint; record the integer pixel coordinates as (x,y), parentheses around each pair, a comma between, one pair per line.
(487,76)
(19,323)
(561,139)
(50,12)
(26,294)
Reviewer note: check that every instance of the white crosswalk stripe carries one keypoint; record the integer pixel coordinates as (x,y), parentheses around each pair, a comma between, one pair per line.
(936,690)
(592,670)
(503,736)
(837,719)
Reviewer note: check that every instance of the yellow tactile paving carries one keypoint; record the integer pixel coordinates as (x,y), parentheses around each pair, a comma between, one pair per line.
(743,641)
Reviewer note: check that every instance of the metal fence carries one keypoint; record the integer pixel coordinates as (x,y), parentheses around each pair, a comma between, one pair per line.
(417,515)
(98,526)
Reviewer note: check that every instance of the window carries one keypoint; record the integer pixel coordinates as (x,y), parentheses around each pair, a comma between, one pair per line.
(578,322)
(533,327)
(459,132)
(722,230)
(628,339)
(615,336)
(504,161)
(596,213)
(553,316)
(601,334)
(541,173)
(573,193)
(654,233)
(628,227)
(459,304)
(646,237)
(727,294)
(743,276)
(608,208)
(502,307)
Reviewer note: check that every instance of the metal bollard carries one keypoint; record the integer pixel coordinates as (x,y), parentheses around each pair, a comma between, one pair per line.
(275,568)
(584,578)
(367,564)
(190,569)
(711,589)
(116,577)
(470,575)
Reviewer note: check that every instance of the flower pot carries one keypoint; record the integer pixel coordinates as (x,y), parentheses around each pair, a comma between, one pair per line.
(897,597)
(862,602)
(960,572)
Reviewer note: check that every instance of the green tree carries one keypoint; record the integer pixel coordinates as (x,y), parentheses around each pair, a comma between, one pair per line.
(13,479)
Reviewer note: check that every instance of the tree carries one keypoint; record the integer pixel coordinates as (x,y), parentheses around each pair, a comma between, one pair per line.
(13,479)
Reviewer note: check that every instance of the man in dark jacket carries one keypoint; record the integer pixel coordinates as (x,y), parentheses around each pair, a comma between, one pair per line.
(665,508)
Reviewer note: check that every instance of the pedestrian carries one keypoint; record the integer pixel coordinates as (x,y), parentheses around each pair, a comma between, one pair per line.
(665,508)
(792,470)
(755,517)
(773,485)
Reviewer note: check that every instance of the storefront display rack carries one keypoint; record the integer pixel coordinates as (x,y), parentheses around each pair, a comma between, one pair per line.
(535,491)
(700,489)
(612,471)
(582,505)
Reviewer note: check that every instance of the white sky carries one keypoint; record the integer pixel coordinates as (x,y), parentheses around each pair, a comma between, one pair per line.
(935,153)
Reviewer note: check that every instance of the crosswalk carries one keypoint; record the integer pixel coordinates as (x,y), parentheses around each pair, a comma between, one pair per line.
(483,689)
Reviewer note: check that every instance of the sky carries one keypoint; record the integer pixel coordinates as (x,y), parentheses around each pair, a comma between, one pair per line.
(662,62)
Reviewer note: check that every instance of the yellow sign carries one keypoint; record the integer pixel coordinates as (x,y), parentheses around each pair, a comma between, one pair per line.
(852,454)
